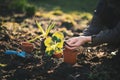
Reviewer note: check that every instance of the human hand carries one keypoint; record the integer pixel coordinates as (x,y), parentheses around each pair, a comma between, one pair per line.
(75,42)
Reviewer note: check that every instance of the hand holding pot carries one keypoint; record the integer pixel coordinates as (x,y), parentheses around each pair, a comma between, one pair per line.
(75,42)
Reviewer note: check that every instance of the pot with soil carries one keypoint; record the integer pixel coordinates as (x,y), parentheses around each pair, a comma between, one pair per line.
(70,56)
(27,47)
(54,45)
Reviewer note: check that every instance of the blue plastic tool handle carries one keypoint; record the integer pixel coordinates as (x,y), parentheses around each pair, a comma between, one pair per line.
(21,54)
(11,52)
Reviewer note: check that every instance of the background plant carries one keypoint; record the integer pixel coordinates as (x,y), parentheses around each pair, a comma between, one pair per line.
(19,6)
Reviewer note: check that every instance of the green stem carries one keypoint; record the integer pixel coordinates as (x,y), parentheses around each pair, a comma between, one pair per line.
(34,38)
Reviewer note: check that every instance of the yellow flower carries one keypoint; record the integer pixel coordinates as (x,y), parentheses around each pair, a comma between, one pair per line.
(49,49)
(58,35)
(60,44)
(54,44)
(59,47)
(59,50)
(48,41)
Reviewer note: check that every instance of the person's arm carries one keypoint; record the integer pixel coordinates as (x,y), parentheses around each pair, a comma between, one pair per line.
(111,36)
(95,33)
(96,22)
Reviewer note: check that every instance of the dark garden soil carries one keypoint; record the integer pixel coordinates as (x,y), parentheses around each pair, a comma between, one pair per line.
(93,63)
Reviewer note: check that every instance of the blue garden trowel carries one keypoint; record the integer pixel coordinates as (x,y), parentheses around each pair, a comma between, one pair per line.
(21,54)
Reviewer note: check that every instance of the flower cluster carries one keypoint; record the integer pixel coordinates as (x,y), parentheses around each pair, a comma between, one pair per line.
(54,44)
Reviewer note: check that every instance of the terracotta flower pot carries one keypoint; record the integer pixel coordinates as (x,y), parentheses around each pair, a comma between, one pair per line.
(70,56)
(27,47)
(57,55)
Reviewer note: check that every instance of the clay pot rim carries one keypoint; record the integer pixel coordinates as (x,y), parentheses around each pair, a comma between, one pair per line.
(26,43)
(27,47)
(58,55)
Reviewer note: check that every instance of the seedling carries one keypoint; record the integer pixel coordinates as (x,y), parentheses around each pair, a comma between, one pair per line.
(44,32)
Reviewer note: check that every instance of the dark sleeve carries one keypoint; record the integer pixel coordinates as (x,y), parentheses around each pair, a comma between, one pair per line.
(111,36)
(96,22)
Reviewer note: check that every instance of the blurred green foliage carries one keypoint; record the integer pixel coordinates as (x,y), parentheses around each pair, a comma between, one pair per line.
(18,6)
(48,5)
(67,5)
(69,10)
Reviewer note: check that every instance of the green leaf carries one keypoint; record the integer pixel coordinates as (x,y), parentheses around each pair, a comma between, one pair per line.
(40,28)
(51,26)
(3,65)
(55,39)
(50,53)
(37,37)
